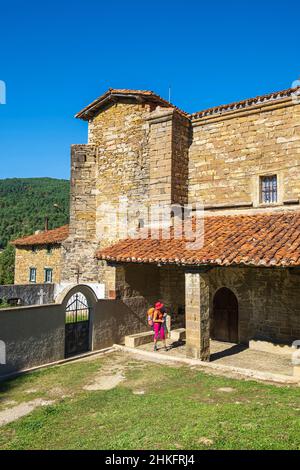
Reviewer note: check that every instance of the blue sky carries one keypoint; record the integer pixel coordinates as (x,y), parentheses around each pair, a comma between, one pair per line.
(58,56)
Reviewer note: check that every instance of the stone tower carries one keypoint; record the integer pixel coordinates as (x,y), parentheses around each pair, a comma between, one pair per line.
(138,149)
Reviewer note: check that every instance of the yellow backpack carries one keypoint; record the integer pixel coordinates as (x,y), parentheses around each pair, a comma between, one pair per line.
(150,314)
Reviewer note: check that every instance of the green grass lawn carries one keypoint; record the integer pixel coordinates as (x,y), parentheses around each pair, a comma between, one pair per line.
(154,407)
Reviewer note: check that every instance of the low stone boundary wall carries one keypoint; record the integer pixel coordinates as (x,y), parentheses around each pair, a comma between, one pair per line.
(31,336)
(27,294)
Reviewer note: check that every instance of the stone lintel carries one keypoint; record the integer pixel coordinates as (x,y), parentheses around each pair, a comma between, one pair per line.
(198,269)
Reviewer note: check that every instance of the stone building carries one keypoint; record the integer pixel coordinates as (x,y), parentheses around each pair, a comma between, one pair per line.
(39,257)
(239,163)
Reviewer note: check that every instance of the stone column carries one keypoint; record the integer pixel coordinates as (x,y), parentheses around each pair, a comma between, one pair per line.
(169,140)
(197,315)
(160,153)
(113,276)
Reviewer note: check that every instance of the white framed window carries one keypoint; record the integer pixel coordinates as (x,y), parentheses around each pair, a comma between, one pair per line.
(32,275)
(48,275)
(268,189)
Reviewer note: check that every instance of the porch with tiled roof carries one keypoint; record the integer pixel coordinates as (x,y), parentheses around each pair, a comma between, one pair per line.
(248,257)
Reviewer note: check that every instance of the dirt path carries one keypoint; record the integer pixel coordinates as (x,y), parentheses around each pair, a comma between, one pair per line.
(12,414)
(113,371)
(110,375)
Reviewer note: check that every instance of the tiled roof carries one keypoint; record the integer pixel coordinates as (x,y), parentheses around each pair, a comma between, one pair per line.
(92,109)
(246,103)
(49,237)
(271,239)
(145,95)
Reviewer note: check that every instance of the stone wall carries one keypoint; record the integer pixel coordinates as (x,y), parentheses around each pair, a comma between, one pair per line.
(172,293)
(136,288)
(27,294)
(114,319)
(146,284)
(39,258)
(121,136)
(33,336)
(78,251)
(138,281)
(269,302)
(229,153)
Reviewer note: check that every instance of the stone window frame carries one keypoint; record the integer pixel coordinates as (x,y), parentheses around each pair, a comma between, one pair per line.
(256,189)
(272,188)
(46,271)
(32,279)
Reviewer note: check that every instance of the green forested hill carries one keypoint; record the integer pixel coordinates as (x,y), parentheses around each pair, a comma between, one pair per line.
(24,204)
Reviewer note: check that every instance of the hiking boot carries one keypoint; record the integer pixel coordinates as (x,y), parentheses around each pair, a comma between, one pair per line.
(155,347)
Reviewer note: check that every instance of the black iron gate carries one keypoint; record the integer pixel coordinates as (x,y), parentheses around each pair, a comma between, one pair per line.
(77,329)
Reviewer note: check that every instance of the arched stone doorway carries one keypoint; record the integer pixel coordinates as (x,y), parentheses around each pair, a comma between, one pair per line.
(78,306)
(225,316)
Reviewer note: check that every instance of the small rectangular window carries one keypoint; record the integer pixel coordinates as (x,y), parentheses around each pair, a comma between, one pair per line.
(48,275)
(49,249)
(32,275)
(268,189)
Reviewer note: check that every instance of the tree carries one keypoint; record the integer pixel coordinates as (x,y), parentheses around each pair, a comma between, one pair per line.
(24,205)
(7,265)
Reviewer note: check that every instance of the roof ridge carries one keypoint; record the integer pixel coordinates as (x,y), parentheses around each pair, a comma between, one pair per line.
(86,112)
(244,103)
(55,235)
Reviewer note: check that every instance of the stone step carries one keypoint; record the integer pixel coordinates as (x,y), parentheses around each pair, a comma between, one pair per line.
(178,335)
(138,339)
(132,341)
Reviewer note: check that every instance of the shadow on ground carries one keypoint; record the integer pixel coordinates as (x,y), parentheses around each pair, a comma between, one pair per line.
(234,349)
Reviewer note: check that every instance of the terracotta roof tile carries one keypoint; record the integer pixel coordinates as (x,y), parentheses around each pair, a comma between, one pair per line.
(55,236)
(271,239)
(262,99)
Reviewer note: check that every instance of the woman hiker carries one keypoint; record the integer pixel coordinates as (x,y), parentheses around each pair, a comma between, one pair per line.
(159,320)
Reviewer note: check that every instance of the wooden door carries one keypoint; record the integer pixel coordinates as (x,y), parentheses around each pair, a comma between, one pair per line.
(225,321)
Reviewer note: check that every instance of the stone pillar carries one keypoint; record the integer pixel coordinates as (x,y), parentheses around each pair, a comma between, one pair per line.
(114,279)
(197,315)
(160,145)
(169,140)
